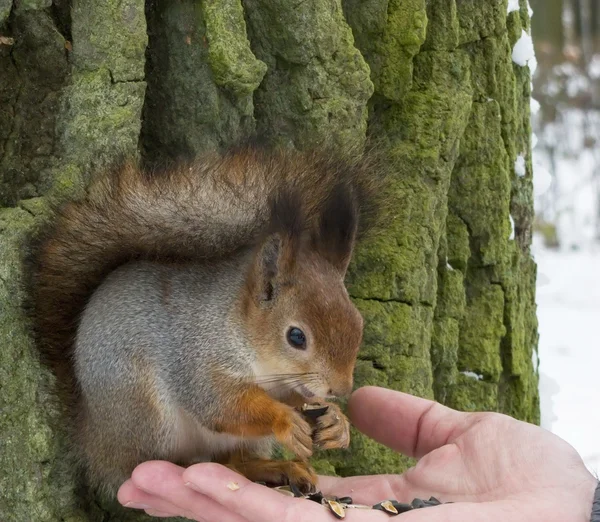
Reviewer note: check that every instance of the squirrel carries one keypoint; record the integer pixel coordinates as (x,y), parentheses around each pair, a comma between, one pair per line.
(189,311)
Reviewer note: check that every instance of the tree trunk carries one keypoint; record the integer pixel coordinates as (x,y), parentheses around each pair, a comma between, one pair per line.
(446,290)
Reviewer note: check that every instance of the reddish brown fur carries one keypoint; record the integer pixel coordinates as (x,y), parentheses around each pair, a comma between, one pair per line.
(313,294)
(255,414)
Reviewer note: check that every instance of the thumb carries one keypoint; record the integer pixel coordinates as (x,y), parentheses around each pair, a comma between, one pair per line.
(405,423)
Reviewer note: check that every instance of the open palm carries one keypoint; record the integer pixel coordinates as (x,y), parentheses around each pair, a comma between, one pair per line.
(490,466)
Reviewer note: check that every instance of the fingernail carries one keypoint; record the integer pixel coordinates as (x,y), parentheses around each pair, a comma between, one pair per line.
(135,505)
(191,485)
(156,513)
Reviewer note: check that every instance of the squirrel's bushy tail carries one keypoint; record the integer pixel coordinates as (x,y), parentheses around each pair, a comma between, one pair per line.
(193,211)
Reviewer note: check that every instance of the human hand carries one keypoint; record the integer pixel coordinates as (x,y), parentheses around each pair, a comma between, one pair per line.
(492,467)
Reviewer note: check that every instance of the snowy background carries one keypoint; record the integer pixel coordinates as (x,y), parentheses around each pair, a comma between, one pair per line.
(566,159)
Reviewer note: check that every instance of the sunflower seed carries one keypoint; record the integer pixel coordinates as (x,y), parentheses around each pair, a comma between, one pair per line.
(314,411)
(417,503)
(316,497)
(400,507)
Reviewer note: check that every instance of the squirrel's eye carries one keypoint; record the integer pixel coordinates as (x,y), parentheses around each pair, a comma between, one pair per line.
(296,338)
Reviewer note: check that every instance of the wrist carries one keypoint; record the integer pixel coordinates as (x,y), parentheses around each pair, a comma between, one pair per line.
(596,505)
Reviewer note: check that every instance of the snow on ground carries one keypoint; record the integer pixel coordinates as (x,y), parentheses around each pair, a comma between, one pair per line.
(568,297)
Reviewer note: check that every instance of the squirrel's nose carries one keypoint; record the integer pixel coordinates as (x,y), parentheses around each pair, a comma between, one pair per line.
(341,390)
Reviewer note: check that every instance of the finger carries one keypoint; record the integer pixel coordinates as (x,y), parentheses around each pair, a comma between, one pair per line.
(260,504)
(255,502)
(165,481)
(132,497)
(405,423)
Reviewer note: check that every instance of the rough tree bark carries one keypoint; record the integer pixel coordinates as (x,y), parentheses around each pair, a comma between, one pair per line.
(447,292)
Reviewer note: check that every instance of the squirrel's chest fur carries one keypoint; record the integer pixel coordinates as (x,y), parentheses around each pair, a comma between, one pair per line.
(148,342)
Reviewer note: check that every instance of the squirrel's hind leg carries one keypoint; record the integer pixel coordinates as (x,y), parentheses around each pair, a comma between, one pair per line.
(274,472)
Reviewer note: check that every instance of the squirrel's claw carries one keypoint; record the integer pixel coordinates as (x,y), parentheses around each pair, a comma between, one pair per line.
(278,473)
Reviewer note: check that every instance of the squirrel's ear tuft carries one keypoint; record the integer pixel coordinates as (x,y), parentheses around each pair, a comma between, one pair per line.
(335,235)
(287,215)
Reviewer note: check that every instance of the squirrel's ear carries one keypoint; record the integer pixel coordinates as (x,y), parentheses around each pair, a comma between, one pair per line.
(273,265)
(335,235)
(276,256)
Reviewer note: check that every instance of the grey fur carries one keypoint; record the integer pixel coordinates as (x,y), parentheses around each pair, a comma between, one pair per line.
(171,323)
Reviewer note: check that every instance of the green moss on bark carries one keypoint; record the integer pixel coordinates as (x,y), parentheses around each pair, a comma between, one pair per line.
(422,120)
(389,34)
(317,84)
(32,5)
(204,43)
(99,117)
(5,8)
(34,70)
(485,191)
(478,20)
(232,62)
(454,130)
(471,394)
(34,467)
(110,35)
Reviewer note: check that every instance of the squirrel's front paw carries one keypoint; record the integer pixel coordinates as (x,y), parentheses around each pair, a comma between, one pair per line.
(297,435)
(332,430)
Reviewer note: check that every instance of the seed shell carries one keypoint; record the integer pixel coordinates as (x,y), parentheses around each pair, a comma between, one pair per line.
(233,486)
(337,509)
(284,490)
(345,500)
(387,506)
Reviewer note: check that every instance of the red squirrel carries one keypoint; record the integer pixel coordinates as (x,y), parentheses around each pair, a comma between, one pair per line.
(189,312)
